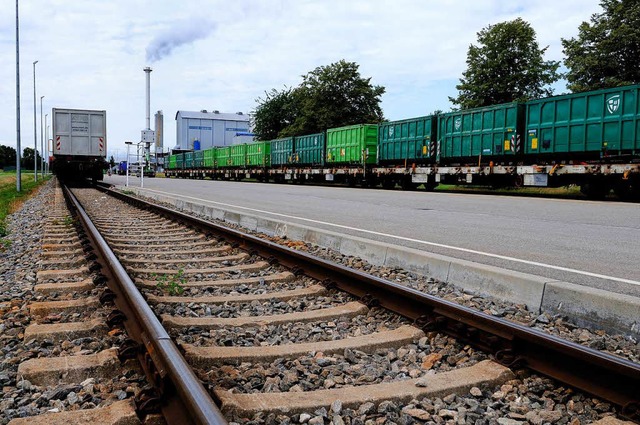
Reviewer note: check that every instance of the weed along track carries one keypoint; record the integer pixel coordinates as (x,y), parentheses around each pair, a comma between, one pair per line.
(262,333)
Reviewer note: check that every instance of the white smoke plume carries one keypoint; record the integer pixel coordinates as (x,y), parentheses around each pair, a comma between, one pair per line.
(182,32)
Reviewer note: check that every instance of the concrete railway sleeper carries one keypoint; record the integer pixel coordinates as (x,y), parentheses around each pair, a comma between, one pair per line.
(74,364)
(279,336)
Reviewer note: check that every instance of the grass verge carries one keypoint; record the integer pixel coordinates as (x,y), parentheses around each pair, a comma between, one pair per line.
(571,192)
(11,200)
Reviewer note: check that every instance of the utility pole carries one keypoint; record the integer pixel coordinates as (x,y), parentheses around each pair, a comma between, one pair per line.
(18,170)
(35,128)
(41,141)
(45,160)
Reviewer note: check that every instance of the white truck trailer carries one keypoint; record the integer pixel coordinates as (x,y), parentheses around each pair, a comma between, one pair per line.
(79,143)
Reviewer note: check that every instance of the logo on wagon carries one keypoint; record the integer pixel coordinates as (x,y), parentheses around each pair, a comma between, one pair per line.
(613,103)
(457,123)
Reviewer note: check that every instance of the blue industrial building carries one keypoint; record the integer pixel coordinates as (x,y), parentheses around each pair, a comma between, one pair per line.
(203,130)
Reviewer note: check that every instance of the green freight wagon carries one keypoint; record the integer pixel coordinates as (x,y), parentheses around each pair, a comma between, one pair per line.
(223,157)
(172,162)
(309,149)
(210,158)
(585,125)
(258,154)
(239,155)
(282,151)
(188,160)
(355,144)
(180,161)
(492,132)
(412,139)
(198,159)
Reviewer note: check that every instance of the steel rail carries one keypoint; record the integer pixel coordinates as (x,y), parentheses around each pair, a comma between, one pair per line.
(185,399)
(601,374)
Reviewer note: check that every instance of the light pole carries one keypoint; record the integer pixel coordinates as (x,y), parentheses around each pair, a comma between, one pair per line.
(128,163)
(41,141)
(45,160)
(18,170)
(141,162)
(35,129)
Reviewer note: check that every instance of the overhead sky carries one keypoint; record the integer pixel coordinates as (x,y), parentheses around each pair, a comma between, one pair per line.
(222,55)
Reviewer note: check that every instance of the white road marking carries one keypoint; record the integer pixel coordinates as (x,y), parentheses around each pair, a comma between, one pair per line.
(435,244)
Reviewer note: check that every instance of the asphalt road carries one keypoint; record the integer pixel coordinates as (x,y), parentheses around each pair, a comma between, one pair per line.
(584,242)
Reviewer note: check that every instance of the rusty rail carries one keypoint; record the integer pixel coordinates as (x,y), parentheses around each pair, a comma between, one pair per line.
(179,393)
(603,375)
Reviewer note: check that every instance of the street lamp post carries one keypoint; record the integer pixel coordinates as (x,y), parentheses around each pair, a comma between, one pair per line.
(35,129)
(143,164)
(41,141)
(128,162)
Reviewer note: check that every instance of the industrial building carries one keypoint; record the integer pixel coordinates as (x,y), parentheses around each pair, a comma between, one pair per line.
(203,130)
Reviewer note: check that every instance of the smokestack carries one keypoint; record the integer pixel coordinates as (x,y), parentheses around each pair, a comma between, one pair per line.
(148,70)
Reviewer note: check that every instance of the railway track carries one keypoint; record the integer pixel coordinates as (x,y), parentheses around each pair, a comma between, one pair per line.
(73,364)
(274,335)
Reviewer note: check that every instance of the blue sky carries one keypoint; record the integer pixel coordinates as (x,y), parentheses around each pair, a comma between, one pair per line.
(214,54)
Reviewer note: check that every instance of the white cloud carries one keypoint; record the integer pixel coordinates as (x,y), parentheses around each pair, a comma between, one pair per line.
(223,55)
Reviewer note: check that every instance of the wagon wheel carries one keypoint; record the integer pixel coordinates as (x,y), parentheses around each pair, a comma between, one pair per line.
(518,180)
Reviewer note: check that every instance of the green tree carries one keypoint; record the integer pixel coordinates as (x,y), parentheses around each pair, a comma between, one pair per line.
(329,96)
(26,161)
(336,95)
(7,156)
(506,66)
(274,113)
(606,52)
(112,162)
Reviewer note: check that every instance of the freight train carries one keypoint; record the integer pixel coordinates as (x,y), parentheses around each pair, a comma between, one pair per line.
(79,143)
(589,139)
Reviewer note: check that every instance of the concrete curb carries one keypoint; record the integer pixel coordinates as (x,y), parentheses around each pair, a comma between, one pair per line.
(584,305)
